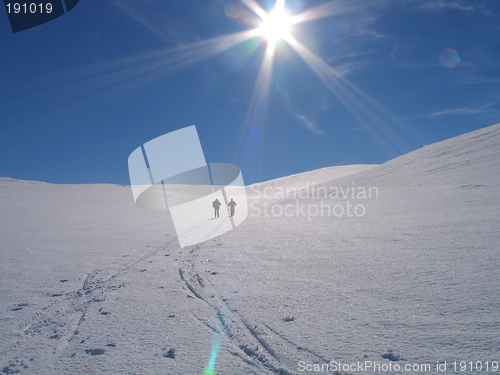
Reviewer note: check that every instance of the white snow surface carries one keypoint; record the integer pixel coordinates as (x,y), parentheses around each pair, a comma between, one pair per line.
(91,284)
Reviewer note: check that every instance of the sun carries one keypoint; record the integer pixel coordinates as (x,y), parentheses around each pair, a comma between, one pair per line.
(276,25)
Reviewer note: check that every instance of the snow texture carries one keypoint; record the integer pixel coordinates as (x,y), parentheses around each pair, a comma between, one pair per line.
(91,284)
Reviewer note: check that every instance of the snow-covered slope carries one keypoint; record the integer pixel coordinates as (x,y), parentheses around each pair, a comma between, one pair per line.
(398,261)
(319,176)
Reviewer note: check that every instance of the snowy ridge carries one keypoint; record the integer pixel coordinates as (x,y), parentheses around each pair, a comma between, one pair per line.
(318,176)
(474,154)
(91,284)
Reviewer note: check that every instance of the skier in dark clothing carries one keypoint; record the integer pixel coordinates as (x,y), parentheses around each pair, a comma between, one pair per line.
(216,205)
(232,205)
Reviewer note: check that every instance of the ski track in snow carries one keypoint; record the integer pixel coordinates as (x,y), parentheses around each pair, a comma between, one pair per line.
(58,322)
(57,325)
(255,343)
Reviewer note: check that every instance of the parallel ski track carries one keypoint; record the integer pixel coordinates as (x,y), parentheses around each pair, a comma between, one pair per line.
(255,343)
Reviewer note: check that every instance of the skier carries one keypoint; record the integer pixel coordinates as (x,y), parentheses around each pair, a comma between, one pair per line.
(216,205)
(231,205)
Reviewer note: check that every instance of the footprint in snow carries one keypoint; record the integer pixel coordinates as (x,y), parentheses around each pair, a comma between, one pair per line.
(19,306)
(391,356)
(95,351)
(170,353)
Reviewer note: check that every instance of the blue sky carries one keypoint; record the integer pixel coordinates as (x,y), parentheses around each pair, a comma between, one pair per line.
(365,82)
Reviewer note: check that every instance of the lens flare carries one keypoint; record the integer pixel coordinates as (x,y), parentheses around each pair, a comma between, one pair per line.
(449,58)
(216,345)
(217,340)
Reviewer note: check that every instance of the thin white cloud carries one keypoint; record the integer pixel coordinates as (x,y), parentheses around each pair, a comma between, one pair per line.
(472,79)
(354,41)
(456,112)
(490,109)
(460,5)
(133,9)
(465,111)
(394,49)
(311,125)
(326,102)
